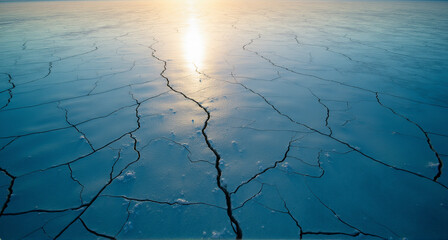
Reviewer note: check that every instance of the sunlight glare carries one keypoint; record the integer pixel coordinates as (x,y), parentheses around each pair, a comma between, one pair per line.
(194,45)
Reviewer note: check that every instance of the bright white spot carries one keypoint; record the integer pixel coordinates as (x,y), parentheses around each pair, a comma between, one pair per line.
(433,164)
(127,176)
(180,200)
(128,226)
(194,45)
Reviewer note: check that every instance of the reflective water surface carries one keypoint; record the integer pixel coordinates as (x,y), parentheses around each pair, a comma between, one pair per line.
(223,119)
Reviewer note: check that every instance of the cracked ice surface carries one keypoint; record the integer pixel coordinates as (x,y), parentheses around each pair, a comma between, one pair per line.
(223,119)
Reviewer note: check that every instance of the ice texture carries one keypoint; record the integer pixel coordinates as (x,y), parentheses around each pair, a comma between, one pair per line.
(223,119)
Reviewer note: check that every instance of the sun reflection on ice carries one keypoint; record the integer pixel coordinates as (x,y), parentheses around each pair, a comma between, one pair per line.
(194,45)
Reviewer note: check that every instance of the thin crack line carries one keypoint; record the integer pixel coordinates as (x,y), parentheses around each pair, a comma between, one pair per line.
(94,232)
(45,210)
(76,97)
(234,223)
(181,203)
(252,197)
(327,80)
(10,190)
(340,141)
(428,140)
(9,90)
(77,181)
(137,115)
(327,110)
(266,169)
(82,122)
(83,135)
(338,217)
(126,221)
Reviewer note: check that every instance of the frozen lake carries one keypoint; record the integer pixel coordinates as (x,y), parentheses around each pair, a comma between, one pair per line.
(224,119)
